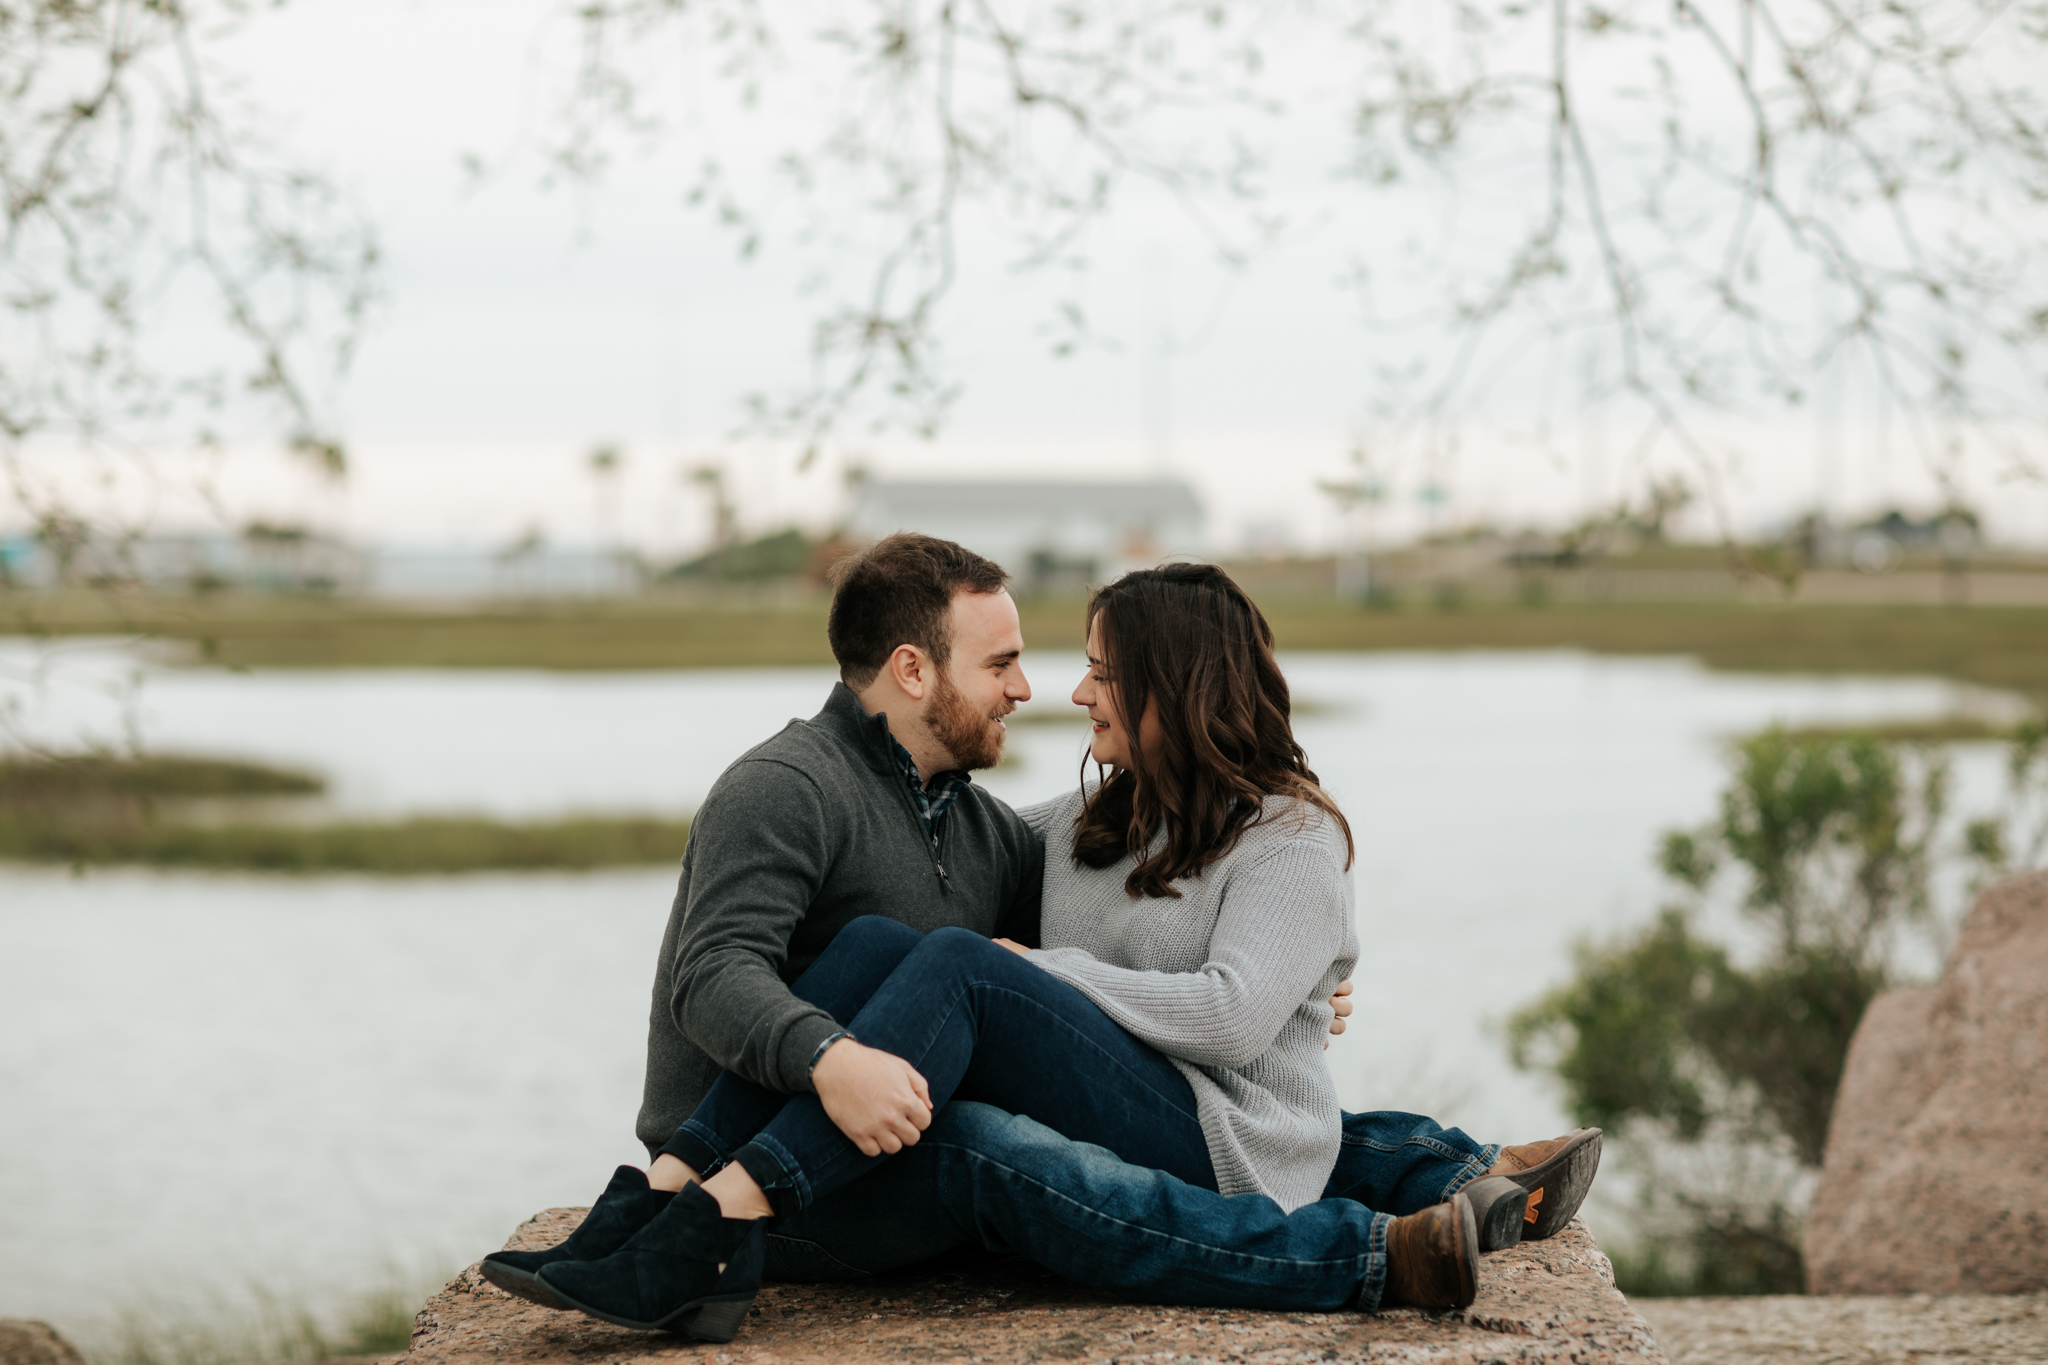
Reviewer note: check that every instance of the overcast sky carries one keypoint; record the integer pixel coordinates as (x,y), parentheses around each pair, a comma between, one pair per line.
(520,327)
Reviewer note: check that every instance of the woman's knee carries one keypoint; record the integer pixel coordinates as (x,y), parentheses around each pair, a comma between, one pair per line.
(953,947)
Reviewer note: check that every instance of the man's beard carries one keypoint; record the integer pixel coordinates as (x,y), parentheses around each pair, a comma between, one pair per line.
(971,737)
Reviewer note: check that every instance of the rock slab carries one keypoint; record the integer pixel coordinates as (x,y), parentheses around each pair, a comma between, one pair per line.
(24,1341)
(1935,1178)
(1897,1329)
(1552,1301)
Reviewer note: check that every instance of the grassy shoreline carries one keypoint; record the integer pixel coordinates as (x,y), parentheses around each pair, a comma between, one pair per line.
(419,846)
(2004,647)
(103,810)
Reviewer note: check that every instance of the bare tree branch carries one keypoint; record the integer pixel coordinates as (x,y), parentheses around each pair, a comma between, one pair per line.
(140,203)
(1887,176)
(1039,116)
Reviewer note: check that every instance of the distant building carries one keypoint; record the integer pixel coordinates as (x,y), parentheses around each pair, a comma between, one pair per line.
(1053,535)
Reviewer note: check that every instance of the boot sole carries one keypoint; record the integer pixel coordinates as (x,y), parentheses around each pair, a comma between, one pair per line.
(715,1317)
(524,1284)
(1468,1259)
(1558,1186)
(1499,1208)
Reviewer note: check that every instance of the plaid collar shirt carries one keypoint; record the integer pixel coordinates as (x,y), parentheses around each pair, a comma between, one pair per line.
(932,802)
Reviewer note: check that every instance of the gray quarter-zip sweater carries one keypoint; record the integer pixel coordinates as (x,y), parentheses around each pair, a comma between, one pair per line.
(800,836)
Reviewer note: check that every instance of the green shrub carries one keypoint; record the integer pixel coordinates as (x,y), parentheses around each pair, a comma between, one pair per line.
(1721,1252)
(1717,1075)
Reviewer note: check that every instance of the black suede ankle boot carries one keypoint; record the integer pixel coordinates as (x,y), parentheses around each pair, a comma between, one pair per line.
(625,1207)
(691,1270)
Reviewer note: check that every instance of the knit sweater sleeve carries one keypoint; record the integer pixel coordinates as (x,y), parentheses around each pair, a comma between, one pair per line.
(761,848)
(1046,814)
(1283,922)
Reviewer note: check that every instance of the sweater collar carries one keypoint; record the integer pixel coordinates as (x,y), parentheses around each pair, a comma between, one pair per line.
(866,733)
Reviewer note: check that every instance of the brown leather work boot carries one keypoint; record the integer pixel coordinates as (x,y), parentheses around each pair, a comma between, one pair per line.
(1433,1257)
(1500,1208)
(1557,1174)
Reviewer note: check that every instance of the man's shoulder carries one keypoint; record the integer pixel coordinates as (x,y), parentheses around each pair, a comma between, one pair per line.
(800,741)
(800,754)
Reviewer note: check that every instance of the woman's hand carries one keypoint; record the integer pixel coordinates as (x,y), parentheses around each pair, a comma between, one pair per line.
(1019,949)
(1340,1006)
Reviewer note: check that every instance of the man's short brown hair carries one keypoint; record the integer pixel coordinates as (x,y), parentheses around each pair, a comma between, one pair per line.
(897,592)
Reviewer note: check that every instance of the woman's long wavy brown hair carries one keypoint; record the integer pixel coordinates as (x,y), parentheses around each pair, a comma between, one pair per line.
(1186,639)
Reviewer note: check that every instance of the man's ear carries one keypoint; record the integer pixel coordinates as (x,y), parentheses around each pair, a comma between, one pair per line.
(911,668)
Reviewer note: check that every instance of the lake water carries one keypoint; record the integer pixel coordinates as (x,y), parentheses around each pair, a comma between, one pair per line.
(207,1081)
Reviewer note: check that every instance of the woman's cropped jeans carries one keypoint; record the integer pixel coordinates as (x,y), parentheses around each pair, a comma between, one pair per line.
(985,1177)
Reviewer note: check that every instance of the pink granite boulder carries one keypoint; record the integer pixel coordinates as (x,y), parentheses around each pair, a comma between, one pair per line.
(24,1341)
(1936,1174)
(1542,1303)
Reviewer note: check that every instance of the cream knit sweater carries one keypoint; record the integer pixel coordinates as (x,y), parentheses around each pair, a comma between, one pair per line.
(1231,982)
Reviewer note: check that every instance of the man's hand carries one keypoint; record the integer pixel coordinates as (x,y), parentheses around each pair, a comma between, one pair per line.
(878,1100)
(1340,1003)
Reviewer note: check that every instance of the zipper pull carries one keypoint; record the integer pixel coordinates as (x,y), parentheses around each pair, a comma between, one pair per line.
(941,867)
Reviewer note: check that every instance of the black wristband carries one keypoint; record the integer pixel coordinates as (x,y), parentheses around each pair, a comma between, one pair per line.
(818,1054)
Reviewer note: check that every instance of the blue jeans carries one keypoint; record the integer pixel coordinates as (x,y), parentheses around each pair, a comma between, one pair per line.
(983,1178)
(980,1024)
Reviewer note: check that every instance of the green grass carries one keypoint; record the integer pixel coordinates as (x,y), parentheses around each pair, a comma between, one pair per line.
(88,810)
(311,633)
(106,777)
(419,845)
(1996,646)
(267,1325)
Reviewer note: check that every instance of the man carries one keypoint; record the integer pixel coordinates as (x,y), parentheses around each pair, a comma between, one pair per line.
(867,809)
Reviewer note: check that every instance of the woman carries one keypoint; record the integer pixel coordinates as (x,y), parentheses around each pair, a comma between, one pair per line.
(1196,917)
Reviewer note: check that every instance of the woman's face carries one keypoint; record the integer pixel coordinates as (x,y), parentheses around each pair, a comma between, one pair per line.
(1111,745)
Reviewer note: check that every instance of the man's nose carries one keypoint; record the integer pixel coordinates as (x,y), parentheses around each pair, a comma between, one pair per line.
(1020,686)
